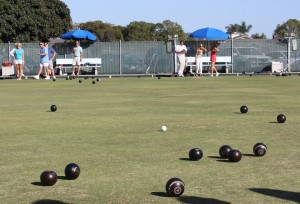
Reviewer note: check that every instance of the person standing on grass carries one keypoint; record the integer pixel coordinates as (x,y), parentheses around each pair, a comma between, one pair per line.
(198,59)
(12,53)
(213,59)
(77,50)
(51,55)
(180,50)
(19,60)
(44,61)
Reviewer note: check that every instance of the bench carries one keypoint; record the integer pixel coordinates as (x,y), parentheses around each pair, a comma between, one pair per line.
(222,61)
(65,64)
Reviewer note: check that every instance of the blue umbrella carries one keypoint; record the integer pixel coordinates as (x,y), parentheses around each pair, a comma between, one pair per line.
(209,34)
(79,35)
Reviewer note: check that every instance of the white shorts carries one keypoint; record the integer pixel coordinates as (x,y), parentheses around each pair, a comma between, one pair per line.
(76,61)
(45,64)
(18,61)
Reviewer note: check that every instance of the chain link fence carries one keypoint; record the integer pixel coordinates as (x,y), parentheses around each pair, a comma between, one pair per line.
(121,58)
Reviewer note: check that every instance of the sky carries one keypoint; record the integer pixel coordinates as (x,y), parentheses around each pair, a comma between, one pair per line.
(263,15)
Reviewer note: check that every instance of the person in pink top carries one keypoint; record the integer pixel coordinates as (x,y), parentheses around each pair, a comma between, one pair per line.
(213,59)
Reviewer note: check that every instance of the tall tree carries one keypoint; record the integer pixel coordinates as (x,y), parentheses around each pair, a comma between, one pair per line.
(241,28)
(33,20)
(168,28)
(292,26)
(139,31)
(104,31)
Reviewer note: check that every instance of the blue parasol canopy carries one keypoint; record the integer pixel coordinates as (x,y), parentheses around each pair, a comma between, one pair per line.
(79,35)
(209,34)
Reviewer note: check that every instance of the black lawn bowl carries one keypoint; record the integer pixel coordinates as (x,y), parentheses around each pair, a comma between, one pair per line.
(97,79)
(67,77)
(53,108)
(175,187)
(72,171)
(281,118)
(260,149)
(54,79)
(158,77)
(139,76)
(86,77)
(48,178)
(234,155)
(195,154)
(80,81)
(93,82)
(244,109)
(224,150)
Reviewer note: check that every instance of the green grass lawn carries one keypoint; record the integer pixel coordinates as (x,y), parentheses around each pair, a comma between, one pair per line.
(112,130)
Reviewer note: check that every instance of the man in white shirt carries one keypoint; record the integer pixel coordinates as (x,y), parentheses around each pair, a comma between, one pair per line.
(77,50)
(180,50)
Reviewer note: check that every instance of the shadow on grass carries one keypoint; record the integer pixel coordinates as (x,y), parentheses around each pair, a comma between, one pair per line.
(160,194)
(249,155)
(197,200)
(240,113)
(214,157)
(286,195)
(37,183)
(191,199)
(185,159)
(218,158)
(48,201)
(62,178)
(223,160)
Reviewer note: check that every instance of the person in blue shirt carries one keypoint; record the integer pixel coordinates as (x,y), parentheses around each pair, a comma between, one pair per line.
(44,61)
(51,55)
(18,55)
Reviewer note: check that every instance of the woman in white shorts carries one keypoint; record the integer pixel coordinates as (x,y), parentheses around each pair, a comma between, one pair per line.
(19,60)
(200,50)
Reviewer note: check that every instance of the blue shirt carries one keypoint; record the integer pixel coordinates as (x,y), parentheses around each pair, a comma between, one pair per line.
(44,58)
(51,52)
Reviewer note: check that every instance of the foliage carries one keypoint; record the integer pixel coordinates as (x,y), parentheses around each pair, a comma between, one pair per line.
(168,28)
(143,31)
(104,31)
(285,29)
(33,20)
(241,28)
(258,36)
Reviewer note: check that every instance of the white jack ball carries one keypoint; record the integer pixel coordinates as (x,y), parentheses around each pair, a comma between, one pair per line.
(164,128)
